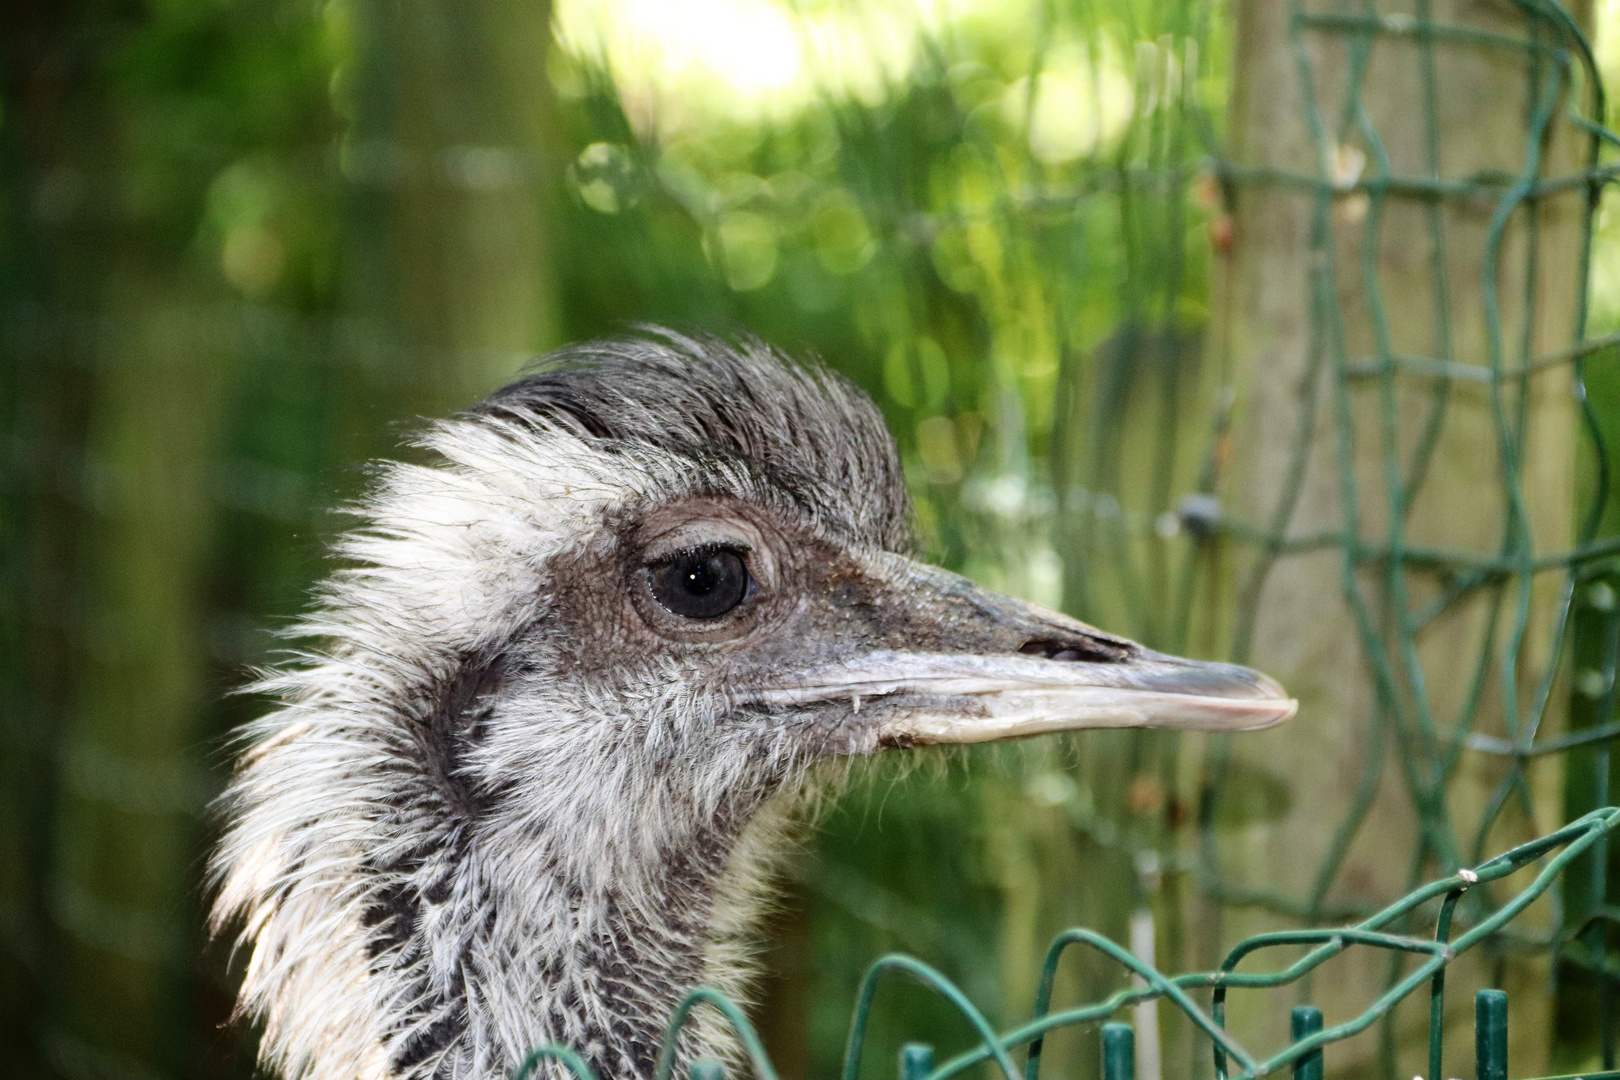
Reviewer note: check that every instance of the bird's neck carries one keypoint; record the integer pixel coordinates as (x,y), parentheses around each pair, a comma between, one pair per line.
(500,938)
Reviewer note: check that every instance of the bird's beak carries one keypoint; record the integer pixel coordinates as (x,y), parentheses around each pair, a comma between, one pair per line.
(970,665)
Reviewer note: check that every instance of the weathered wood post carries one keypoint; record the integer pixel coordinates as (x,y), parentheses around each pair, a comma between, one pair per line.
(1384,457)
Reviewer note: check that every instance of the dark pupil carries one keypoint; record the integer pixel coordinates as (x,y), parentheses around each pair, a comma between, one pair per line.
(700,585)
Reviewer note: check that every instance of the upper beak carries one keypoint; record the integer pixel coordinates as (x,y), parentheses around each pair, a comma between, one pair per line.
(978,666)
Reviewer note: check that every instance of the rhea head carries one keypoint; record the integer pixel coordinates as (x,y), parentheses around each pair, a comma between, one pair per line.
(526,782)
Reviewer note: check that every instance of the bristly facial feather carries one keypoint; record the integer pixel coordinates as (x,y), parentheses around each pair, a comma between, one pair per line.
(526,782)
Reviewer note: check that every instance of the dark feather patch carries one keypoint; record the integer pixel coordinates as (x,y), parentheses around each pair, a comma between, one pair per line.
(457,711)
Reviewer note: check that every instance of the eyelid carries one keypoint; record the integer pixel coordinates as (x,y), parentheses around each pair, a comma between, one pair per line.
(737,547)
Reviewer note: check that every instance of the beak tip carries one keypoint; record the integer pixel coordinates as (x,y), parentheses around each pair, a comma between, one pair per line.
(1278,710)
(1272,705)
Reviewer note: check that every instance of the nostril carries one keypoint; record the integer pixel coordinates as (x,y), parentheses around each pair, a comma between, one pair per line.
(1073,651)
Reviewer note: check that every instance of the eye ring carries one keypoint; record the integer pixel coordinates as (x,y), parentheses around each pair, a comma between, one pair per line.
(702,584)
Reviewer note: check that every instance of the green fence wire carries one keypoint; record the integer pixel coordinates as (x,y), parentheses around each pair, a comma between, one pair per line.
(1152,187)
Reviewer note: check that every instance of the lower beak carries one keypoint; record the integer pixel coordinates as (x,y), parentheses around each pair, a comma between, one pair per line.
(922,698)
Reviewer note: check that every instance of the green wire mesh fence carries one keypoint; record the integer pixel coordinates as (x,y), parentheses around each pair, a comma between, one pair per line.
(1140,532)
(1438,902)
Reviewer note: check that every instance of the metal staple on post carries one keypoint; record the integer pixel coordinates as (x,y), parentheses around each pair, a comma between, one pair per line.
(1303,1022)
(1491,1035)
(1118,1052)
(916,1061)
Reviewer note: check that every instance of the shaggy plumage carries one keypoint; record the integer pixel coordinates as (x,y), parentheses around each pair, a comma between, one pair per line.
(514,795)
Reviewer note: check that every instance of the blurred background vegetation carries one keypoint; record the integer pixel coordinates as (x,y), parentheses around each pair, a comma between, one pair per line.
(245,245)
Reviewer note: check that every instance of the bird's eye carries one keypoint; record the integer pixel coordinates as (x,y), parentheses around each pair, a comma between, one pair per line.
(700,584)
